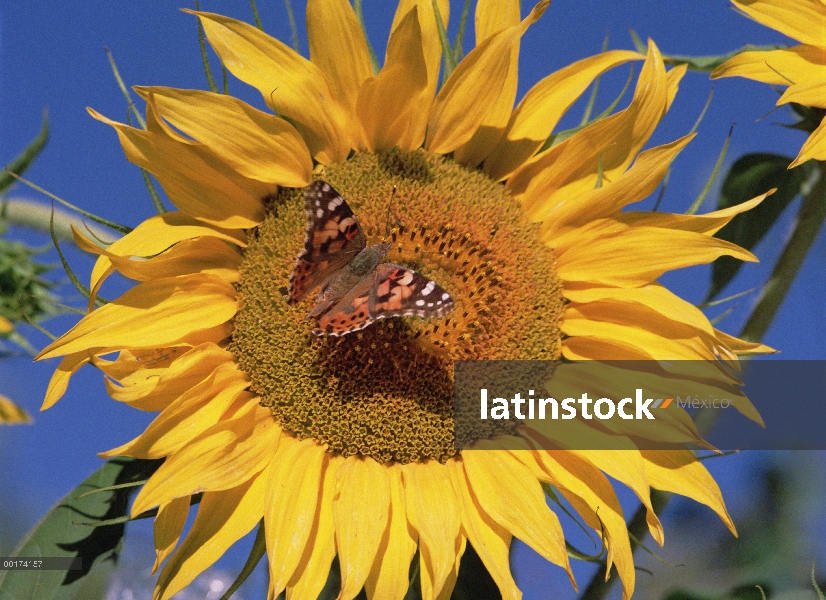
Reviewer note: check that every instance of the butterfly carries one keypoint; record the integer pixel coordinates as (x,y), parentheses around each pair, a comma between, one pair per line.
(356,287)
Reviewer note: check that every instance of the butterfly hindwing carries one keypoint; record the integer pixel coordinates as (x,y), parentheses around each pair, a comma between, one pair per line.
(334,237)
(400,291)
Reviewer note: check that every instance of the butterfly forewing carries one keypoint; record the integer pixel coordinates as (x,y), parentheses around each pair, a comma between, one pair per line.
(334,237)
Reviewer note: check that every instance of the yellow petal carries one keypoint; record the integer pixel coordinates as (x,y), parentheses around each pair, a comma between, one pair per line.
(338,47)
(291,499)
(361,512)
(673,343)
(188,416)
(655,297)
(775,67)
(808,92)
(311,574)
(389,102)
(167,528)
(61,376)
(490,540)
(678,471)
(5,325)
(154,392)
(626,466)
(195,180)
(225,456)
(539,111)
(155,235)
(742,346)
(639,255)
(508,492)
(473,88)
(492,16)
(596,348)
(389,577)
(606,147)
(649,308)
(450,583)
(803,20)
(432,51)
(203,255)
(427,485)
(593,497)
(12,413)
(814,148)
(290,84)
(151,314)
(709,223)
(223,518)
(636,183)
(255,144)
(138,364)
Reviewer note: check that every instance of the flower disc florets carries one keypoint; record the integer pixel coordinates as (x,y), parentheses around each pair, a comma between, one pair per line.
(387,391)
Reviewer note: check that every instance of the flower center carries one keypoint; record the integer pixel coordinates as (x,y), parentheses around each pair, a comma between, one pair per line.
(386,391)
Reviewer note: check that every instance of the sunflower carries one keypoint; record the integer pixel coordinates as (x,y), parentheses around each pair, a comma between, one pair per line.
(802,68)
(344,446)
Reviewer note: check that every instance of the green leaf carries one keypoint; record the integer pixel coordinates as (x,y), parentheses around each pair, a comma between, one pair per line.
(25,158)
(698,202)
(750,176)
(61,534)
(124,90)
(706,64)
(458,51)
(255,16)
(447,51)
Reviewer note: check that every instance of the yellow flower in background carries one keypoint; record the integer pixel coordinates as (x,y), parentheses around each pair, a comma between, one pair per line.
(10,413)
(344,446)
(802,68)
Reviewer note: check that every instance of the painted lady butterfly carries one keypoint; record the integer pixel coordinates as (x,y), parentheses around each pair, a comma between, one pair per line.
(356,288)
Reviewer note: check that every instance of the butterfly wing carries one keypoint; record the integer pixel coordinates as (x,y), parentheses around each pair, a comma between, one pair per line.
(351,313)
(400,291)
(334,237)
(389,291)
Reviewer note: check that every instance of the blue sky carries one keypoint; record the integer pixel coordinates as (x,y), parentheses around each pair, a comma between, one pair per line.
(52,56)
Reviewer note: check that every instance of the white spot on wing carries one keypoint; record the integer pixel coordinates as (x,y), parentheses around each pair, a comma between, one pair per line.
(419,302)
(319,213)
(428,288)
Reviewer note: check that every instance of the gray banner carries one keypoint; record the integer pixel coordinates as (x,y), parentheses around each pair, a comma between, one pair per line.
(590,405)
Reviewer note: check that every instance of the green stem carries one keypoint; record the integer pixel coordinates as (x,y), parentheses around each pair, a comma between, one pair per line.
(810,221)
